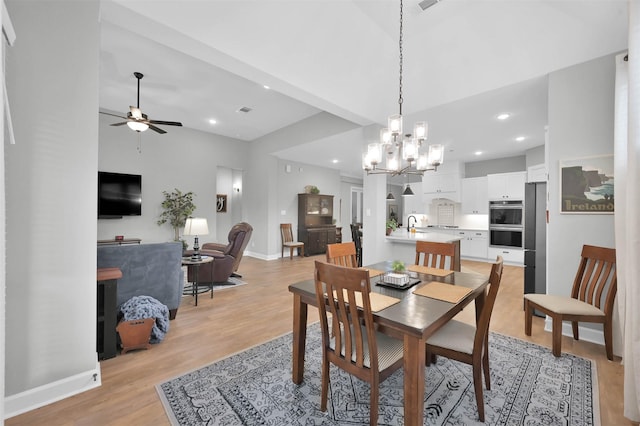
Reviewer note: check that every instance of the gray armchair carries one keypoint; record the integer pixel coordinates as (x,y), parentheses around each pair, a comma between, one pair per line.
(226,258)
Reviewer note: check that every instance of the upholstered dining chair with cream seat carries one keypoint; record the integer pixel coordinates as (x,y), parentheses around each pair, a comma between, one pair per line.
(352,344)
(436,255)
(288,241)
(592,296)
(343,254)
(467,343)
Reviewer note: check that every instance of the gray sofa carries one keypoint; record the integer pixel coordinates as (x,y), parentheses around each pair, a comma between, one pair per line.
(147,270)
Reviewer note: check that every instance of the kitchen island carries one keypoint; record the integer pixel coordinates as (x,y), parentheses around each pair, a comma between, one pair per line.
(404,243)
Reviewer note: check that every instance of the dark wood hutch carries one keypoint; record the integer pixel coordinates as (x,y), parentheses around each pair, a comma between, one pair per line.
(315,222)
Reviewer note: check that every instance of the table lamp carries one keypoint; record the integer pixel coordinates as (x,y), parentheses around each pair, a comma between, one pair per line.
(196,226)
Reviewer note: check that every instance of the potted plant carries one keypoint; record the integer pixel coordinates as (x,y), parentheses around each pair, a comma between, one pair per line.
(397,266)
(177,206)
(392,225)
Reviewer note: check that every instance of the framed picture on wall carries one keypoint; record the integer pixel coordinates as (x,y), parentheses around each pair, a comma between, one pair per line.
(221,203)
(392,212)
(586,185)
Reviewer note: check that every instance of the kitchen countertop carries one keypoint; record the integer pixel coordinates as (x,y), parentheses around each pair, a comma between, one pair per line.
(402,236)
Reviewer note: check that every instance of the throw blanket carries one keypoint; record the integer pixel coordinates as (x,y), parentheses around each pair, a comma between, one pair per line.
(141,307)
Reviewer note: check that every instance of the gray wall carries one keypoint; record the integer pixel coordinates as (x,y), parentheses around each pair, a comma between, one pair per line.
(581,112)
(52,82)
(500,165)
(182,158)
(580,125)
(292,183)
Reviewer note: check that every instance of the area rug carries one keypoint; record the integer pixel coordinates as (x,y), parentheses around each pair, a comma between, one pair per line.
(529,386)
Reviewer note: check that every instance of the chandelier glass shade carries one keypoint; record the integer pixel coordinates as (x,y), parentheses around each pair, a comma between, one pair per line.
(397,153)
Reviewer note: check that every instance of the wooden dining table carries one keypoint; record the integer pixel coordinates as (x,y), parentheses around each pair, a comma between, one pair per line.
(413,320)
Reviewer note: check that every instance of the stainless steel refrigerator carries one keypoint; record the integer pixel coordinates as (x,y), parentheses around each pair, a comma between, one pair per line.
(535,238)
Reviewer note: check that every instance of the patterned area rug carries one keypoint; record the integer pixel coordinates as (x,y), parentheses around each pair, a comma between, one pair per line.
(529,386)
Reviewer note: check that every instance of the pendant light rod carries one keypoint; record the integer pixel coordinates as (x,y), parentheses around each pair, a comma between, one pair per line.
(399,151)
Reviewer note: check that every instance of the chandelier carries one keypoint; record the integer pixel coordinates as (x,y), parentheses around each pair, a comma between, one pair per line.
(401,152)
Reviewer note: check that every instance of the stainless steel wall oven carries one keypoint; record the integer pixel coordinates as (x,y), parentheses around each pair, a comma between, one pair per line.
(506,223)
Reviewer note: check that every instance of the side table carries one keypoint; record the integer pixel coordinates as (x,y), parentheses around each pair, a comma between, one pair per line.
(106,340)
(188,262)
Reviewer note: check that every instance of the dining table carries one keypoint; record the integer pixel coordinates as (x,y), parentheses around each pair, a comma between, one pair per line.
(413,319)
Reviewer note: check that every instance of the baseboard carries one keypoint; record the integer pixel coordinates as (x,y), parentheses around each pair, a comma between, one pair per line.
(261,256)
(586,334)
(52,392)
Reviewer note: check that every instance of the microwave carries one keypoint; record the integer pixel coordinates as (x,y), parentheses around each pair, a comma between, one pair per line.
(506,213)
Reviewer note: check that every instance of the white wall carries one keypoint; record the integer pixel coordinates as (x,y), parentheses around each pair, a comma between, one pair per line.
(51,180)
(581,107)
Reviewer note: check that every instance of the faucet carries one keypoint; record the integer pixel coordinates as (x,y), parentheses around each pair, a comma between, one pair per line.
(409,221)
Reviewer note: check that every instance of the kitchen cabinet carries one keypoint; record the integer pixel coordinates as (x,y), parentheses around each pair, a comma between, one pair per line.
(474,244)
(506,186)
(413,204)
(315,222)
(510,255)
(475,198)
(441,185)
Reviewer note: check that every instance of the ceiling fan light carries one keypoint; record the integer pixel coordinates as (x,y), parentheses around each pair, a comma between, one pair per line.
(137,126)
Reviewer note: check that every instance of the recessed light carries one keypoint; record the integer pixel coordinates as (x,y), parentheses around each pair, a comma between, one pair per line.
(503,116)
(212,121)
(520,138)
(334,161)
(266,87)
(478,153)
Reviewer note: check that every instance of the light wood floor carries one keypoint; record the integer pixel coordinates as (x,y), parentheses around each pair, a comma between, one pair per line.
(239,318)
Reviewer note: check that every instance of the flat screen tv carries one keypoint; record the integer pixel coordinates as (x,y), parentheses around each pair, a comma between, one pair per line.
(119,194)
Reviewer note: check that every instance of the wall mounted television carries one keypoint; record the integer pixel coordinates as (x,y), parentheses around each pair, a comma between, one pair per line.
(119,194)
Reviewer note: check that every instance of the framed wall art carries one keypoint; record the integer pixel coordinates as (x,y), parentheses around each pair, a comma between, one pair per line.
(586,185)
(392,212)
(221,203)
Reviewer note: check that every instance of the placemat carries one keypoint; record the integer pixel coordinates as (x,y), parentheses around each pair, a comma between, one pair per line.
(441,291)
(373,272)
(378,301)
(428,270)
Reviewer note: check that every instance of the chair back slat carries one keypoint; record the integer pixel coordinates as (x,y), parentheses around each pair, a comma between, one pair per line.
(286,232)
(337,291)
(343,254)
(495,277)
(436,255)
(596,277)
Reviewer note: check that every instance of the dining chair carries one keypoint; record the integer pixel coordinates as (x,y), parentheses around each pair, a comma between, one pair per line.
(436,255)
(352,344)
(343,254)
(356,236)
(591,300)
(470,343)
(288,241)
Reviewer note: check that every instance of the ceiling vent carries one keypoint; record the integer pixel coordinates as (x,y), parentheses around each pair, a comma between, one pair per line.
(244,109)
(425,4)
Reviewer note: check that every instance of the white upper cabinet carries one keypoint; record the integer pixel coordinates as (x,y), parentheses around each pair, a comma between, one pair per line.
(445,183)
(506,186)
(475,199)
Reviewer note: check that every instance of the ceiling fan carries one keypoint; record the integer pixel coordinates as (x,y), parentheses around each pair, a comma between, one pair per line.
(138,121)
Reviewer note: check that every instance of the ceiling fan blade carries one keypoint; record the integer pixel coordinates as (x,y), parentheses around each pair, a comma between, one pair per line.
(136,112)
(119,124)
(157,129)
(114,115)
(166,123)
